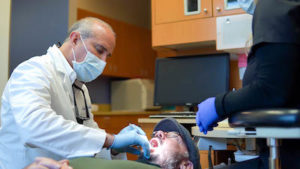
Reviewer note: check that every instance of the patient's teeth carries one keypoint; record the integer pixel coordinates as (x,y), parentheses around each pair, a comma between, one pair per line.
(154,143)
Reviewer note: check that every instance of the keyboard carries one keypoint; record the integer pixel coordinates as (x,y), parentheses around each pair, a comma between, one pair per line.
(182,115)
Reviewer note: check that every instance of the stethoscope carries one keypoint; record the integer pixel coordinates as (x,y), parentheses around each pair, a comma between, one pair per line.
(80,119)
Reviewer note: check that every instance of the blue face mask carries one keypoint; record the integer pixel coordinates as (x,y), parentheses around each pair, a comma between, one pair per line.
(90,68)
(247,5)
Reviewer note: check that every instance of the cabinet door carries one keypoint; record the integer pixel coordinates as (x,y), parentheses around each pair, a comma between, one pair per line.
(136,58)
(111,67)
(226,7)
(167,11)
(133,48)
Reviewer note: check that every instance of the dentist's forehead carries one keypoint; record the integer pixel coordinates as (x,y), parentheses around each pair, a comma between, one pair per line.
(104,36)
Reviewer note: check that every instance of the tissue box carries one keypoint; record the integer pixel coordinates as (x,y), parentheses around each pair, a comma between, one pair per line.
(132,95)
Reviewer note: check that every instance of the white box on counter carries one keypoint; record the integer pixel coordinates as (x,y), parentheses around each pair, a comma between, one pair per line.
(132,95)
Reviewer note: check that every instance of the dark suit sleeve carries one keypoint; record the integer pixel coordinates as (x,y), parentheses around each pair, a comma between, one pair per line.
(294,15)
(274,82)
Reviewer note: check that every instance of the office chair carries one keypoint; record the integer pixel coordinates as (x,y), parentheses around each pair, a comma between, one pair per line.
(273,124)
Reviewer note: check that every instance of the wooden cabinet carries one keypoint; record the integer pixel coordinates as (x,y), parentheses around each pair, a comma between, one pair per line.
(133,56)
(114,123)
(173,11)
(173,28)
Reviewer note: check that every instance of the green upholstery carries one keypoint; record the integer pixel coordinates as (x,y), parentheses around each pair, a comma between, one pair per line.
(96,163)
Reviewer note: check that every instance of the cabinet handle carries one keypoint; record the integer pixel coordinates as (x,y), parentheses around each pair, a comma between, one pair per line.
(205,10)
(218,9)
(227,21)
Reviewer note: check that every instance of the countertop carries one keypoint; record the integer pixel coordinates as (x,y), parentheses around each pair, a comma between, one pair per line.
(107,113)
(156,120)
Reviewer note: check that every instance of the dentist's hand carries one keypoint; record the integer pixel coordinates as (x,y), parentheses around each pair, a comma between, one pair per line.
(130,136)
(207,116)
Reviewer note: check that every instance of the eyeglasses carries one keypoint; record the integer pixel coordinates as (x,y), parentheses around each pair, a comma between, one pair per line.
(80,119)
(171,134)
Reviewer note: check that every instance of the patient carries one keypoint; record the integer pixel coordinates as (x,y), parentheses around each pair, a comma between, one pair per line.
(171,147)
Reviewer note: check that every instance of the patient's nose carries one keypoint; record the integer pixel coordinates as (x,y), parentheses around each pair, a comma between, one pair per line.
(161,135)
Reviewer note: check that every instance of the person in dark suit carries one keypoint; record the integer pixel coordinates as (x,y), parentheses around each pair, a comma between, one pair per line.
(272,77)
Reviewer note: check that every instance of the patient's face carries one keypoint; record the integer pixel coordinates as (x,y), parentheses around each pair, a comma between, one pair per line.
(167,147)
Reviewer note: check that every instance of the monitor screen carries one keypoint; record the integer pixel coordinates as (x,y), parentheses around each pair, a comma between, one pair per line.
(189,80)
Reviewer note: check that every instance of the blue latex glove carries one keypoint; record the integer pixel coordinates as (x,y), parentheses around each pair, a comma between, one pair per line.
(207,116)
(247,5)
(130,136)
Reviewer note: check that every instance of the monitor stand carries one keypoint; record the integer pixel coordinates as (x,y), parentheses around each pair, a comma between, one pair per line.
(177,114)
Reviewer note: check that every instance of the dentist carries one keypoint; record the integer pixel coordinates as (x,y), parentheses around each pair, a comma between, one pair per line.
(46,108)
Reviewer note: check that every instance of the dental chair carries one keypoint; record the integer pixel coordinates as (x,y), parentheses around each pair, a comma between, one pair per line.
(97,163)
(272,124)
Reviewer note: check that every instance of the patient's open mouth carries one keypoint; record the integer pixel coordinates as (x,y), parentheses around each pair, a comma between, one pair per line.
(155,142)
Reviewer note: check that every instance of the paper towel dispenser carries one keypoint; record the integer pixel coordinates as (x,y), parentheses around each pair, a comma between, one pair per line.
(233,32)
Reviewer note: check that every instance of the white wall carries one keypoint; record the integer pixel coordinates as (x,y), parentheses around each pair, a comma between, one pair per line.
(72,12)
(136,12)
(5,7)
(36,25)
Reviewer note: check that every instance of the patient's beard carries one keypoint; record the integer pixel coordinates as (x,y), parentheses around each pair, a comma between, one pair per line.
(153,159)
(165,159)
(170,162)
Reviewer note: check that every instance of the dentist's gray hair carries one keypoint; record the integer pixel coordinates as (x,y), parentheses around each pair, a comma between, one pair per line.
(84,27)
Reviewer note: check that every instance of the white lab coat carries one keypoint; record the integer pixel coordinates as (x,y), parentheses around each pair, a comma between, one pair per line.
(38,115)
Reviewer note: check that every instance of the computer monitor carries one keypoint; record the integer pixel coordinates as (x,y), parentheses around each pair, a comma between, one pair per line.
(189,80)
